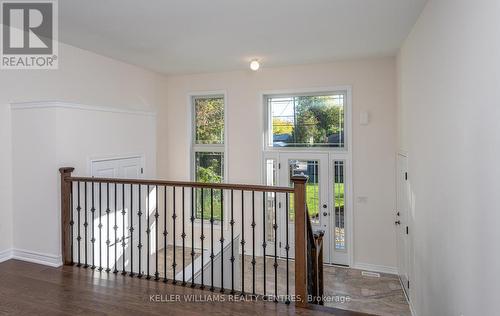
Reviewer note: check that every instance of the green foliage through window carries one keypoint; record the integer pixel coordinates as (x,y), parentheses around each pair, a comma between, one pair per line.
(209,120)
(209,169)
(308,121)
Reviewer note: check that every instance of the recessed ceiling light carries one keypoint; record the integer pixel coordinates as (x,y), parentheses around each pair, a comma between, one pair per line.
(254,65)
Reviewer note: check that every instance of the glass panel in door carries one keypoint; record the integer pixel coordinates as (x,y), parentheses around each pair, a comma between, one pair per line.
(339,213)
(310,169)
(315,167)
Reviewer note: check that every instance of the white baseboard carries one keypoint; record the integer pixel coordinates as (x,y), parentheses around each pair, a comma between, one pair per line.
(410,304)
(36,257)
(375,268)
(5,255)
(412,309)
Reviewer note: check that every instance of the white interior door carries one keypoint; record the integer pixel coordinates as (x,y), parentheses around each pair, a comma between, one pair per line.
(128,168)
(104,198)
(401,222)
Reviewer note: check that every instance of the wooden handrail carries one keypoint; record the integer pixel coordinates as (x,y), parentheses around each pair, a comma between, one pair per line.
(301,289)
(244,187)
(299,202)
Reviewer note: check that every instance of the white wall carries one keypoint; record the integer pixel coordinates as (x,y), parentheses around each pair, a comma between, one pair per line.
(82,77)
(374,146)
(59,137)
(6,236)
(449,125)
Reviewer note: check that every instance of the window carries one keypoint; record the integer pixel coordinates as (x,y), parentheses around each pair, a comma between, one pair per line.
(316,120)
(309,168)
(271,180)
(208,153)
(339,200)
(209,119)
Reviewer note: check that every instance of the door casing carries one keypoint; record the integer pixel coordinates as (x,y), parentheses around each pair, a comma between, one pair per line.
(402,221)
(327,159)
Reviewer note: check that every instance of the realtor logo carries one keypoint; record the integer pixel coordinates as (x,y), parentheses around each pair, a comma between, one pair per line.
(29,35)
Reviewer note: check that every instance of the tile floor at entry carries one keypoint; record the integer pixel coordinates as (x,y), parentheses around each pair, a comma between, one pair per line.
(380,296)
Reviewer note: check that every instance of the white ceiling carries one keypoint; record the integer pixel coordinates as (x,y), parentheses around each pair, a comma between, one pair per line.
(191,36)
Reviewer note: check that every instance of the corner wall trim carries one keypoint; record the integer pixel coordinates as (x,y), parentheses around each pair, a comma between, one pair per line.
(410,303)
(375,268)
(5,255)
(36,257)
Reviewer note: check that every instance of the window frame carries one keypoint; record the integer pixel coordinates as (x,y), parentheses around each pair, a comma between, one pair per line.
(194,147)
(345,154)
(267,130)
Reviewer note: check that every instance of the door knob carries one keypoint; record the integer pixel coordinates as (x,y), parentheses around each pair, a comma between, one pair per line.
(325,214)
(397,222)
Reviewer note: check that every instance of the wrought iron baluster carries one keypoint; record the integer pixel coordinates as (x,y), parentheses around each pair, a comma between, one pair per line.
(264,244)
(123,229)
(275,228)
(192,237)
(287,248)
(85,225)
(92,211)
(253,243)
(139,246)
(157,274)
(183,240)
(100,227)
(71,221)
(222,241)
(242,242)
(232,241)
(174,216)
(107,228)
(131,230)
(202,236)
(78,210)
(212,238)
(165,233)
(115,270)
(148,233)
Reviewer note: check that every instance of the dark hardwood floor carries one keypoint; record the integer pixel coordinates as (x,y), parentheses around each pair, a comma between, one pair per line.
(32,289)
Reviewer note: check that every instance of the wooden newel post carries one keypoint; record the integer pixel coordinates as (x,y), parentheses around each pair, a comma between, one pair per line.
(66,225)
(299,203)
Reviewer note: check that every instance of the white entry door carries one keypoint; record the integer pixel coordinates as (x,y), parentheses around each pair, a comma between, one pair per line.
(401,222)
(325,198)
(315,167)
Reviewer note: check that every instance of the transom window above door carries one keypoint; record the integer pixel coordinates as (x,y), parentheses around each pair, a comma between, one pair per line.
(307,120)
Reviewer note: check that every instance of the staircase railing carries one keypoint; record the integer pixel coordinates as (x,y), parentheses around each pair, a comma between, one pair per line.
(167,230)
(315,264)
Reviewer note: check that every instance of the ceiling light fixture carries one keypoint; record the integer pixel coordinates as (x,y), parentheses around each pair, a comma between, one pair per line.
(254,65)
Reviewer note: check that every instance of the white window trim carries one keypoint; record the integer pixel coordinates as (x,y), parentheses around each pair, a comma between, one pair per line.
(269,152)
(193,148)
(310,91)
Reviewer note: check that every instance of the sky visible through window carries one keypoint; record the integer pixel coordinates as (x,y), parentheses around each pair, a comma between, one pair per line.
(308,120)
